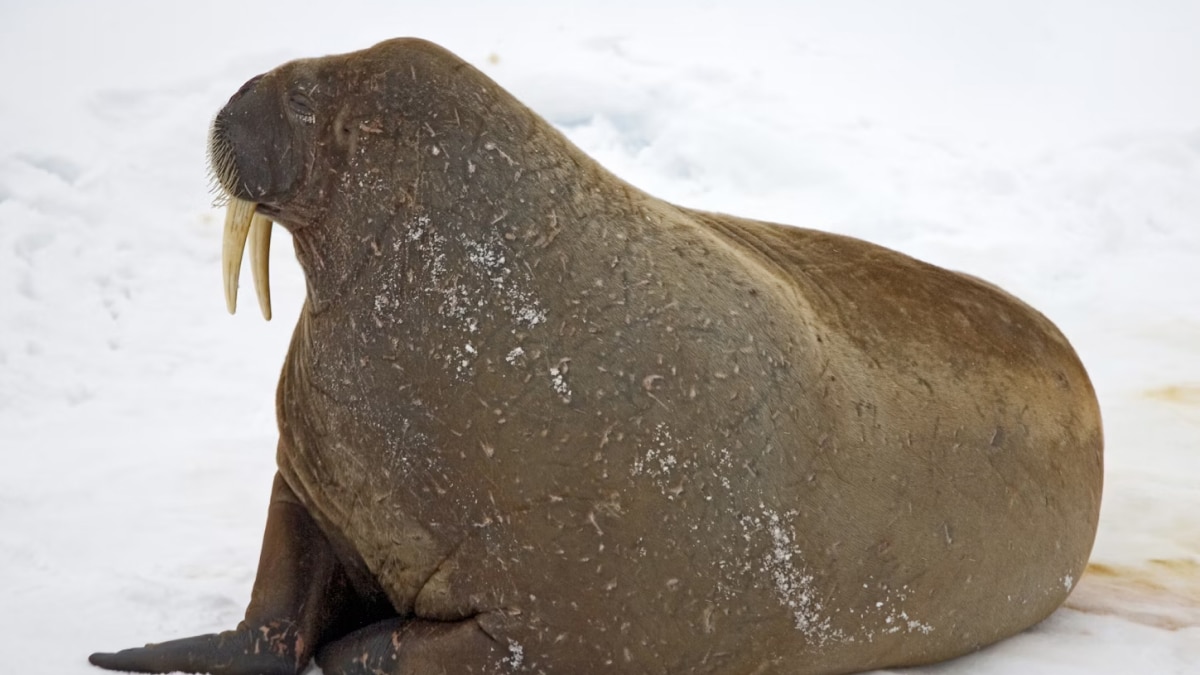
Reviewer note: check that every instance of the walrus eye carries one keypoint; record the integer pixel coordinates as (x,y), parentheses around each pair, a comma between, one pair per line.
(301,107)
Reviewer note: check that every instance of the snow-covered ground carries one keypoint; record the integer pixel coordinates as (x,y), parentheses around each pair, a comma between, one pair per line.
(1051,146)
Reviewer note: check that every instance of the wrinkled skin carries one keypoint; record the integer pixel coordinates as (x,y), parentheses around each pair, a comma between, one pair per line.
(535,420)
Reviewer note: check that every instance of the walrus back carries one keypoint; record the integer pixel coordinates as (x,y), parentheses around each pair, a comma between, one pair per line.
(969,431)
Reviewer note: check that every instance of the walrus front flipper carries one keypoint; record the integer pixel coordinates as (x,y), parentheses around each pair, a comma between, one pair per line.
(234,652)
(417,647)
(301,596)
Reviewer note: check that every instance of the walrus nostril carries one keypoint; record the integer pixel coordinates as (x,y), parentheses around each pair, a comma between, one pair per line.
(247,87)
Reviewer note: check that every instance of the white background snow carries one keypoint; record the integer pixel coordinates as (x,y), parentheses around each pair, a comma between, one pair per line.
(1050,146)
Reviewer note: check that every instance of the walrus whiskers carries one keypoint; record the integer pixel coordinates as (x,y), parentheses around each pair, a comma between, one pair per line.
(222,167)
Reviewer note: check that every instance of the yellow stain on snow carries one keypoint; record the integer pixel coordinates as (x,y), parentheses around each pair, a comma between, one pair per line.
(1182,394)
(1160,593)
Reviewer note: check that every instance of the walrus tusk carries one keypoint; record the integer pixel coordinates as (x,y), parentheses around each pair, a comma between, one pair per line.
(260,255)
(238,217)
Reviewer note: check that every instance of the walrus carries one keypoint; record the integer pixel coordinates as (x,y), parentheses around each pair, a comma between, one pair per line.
(533,419)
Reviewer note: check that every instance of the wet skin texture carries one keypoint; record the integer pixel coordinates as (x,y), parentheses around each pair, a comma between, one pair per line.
(535,420)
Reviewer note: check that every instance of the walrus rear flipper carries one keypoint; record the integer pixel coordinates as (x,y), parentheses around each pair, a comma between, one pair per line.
(301,597)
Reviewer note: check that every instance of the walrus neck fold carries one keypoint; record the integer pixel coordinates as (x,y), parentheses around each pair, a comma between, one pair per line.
(330,264)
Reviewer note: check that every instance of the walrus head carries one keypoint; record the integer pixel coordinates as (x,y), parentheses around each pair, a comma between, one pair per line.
(257,150)
(302,145)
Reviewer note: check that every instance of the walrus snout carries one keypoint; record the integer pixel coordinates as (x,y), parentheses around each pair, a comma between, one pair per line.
(251,144)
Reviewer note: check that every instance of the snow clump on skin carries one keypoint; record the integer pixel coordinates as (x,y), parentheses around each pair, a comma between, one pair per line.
(661,463)
(793,586)
(558,380)
(489,258)
(895,617)
(516,655)
(487,287)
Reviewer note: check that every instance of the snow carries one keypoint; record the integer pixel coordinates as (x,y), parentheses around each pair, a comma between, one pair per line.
(1050,146)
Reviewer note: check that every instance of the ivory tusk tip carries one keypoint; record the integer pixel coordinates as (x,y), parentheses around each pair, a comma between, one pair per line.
(238,216)
(259,241)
